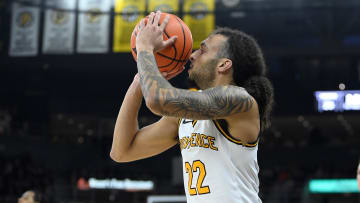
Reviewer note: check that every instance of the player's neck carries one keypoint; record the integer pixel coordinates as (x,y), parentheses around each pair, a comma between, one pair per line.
(222,80)
(218,81)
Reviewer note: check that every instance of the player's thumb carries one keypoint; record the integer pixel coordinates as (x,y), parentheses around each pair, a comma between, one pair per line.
(170,41)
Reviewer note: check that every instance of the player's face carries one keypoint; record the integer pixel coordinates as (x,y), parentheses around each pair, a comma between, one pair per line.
(204,62)
(27,197)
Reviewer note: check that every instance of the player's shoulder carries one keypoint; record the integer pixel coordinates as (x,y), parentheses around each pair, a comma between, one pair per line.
(241,98)
(250,109)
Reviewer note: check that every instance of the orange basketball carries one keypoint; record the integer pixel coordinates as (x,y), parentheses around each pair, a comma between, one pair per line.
(173,58)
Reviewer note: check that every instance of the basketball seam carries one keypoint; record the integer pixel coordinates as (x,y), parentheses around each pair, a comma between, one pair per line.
(182,29)
(172,59)
(175,49)
(168,57)
(160,54)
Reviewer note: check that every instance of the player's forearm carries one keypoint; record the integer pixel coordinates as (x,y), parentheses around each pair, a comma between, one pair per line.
(151,79)
(126,125)
(163,99)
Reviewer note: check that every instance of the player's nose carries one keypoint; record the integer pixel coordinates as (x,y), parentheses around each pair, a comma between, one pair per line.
(193,56)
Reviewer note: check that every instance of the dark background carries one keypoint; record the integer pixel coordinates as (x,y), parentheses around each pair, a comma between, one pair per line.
(62,108)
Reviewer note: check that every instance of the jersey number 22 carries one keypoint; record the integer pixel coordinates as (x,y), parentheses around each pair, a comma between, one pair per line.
(200,189)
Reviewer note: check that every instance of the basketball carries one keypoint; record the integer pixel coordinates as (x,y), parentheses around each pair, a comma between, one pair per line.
(173,58)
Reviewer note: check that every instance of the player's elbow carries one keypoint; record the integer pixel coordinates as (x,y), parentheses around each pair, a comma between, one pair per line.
(118,154)
(117,157)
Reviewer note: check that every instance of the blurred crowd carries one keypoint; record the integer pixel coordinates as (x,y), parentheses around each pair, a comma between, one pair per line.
(19,174)
(5,121)
(283,178)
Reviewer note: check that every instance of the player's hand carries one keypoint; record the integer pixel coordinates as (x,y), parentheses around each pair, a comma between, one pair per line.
(166,75)
(150,35)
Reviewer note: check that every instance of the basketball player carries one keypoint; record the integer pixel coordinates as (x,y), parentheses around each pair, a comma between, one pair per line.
(31,196)
(217,127)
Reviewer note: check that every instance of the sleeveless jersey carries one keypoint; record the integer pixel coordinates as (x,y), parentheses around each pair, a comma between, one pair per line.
(217,168)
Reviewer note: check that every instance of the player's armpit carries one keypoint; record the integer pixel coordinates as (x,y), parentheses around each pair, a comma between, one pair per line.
(152,140)
(213,103)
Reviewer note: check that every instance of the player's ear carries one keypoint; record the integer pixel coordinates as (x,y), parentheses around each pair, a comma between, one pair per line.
(224,65)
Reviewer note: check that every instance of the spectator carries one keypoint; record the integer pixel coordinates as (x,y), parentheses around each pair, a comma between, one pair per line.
(32,196)
(5,119)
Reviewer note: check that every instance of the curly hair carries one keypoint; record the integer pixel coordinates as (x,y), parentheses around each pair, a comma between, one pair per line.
(249,69)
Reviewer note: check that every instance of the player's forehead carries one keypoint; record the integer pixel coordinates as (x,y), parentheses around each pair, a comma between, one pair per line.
(213,41)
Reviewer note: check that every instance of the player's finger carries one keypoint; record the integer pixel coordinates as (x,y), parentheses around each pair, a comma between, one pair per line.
(167,76)
(151,18)
(164,23)
(157,17)
(164,74)
(170,41)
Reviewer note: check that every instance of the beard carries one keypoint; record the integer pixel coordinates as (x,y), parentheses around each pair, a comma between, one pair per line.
(203,76)
(191,83)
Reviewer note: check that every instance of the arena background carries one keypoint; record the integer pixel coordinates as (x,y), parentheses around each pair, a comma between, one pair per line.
(57,110)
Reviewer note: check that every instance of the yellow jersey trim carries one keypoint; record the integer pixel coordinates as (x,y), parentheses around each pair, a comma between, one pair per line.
(179,122)
(194,123)
(230,138)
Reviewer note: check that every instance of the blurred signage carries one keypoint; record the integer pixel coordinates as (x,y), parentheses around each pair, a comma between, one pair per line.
(333,186)
(25,21)
(166,199)
(199,17)
(59,27)
(127,15)
(127,184)
(346,100)
(93,26)
(164,6)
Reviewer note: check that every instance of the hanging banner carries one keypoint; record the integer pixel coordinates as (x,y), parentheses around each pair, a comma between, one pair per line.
(93,26)
(128,14)
(199,16)
(24,29)
(164,6)
(2,34)
(59,27)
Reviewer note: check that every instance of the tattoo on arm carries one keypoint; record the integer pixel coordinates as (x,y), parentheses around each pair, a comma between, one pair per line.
(150,77)
(212,103)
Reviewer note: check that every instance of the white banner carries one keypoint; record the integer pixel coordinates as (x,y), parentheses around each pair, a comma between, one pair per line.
(93,26)
(59,27)
(24,29)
